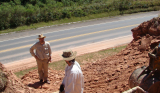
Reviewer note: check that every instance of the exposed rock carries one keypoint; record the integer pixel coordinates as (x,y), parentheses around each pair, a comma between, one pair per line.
(151,27)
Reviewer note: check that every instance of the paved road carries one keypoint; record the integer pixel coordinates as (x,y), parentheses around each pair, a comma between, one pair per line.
(15,46)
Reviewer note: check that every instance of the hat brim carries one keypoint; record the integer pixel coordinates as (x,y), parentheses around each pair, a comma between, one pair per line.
(41,37)
(70,58)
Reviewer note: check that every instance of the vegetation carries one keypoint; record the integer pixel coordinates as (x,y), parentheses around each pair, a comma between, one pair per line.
(83,59)
(23,72)
(62,21)
(15,13)
(3,81)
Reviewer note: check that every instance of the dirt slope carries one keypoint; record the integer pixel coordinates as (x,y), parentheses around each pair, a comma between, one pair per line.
(14,84)
(108,75)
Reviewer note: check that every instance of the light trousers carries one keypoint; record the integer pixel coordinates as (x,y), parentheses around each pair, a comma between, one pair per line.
(62,92)
(42,69)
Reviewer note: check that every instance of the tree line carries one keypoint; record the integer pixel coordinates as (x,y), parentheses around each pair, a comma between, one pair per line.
(14,13)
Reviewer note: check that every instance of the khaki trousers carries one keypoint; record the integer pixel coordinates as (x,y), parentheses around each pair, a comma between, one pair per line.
(42,69)
(62,92)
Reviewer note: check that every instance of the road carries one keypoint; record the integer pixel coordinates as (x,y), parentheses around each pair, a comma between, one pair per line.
(17,48)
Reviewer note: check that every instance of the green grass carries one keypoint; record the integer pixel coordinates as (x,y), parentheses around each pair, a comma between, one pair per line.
(23,72)
(82,59)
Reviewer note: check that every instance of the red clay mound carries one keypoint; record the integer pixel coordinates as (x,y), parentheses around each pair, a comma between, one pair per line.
(14,84)
(150,27)
(111,75)
(32,80)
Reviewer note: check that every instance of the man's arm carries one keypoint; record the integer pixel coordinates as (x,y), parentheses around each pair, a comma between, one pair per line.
(71,83)
(32,51)
(50,52)
(155,50)
(153,53)
(136,89)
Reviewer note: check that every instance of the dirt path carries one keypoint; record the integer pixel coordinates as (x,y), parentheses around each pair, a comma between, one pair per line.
(30,62)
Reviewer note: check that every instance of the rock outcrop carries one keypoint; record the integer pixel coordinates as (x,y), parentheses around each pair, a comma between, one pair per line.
(151,27)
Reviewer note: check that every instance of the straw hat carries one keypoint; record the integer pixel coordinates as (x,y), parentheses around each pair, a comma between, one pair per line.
(69,55)
(41,36)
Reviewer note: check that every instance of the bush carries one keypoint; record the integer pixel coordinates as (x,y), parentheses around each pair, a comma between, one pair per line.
(3,81)
(66,13)
(5,15)
(124,4)
(79,12)
(57,14)
(17,2)
(33,11)
(17,18)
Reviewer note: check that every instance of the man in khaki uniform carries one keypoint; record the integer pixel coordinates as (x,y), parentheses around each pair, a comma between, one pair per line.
(43,56)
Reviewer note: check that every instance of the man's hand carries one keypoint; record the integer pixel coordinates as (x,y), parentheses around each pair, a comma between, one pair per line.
(152,55)
(49,60)
(61,88)
(35,57)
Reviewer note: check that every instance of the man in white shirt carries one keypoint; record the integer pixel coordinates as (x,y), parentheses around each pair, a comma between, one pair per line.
(73,81)
(43,56)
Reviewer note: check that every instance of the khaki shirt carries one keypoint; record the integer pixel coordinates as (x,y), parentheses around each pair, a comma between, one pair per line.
(41,51)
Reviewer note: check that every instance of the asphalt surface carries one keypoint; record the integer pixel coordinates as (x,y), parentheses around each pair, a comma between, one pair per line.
(15,46)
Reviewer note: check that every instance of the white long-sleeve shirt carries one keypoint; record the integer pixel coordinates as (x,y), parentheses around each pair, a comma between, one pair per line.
(74,79)
(42,51)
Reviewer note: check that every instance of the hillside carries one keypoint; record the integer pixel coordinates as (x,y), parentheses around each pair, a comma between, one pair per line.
(108,75)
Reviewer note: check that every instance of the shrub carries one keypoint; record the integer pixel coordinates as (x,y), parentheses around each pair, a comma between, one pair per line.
(3,81)
(17,18)
(33,11)
(17,2)
(5,15)
(66,13)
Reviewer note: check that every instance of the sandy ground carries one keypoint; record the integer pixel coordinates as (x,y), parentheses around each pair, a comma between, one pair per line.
(31,62)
